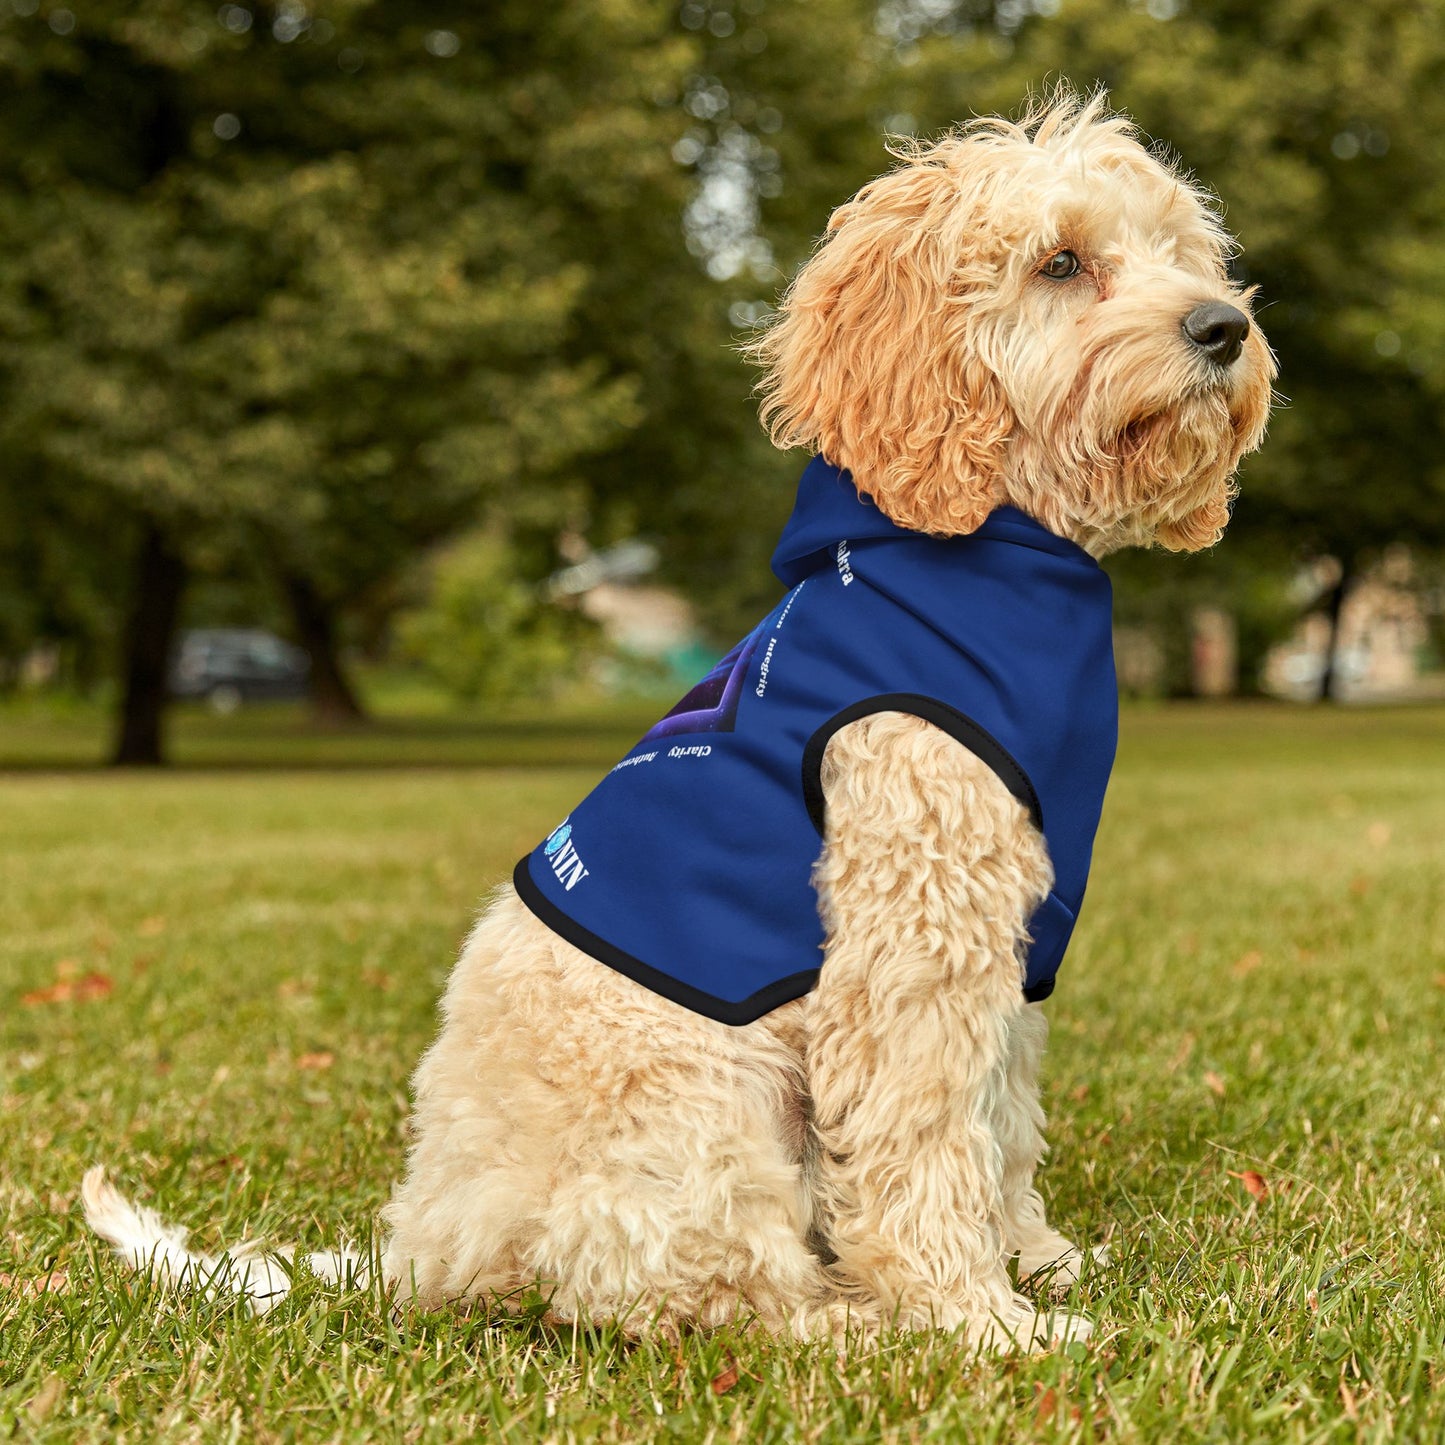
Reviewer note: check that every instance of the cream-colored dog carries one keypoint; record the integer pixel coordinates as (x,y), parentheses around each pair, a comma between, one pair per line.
(1036,314)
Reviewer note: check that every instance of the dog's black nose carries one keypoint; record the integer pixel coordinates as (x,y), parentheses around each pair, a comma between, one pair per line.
(1218,330)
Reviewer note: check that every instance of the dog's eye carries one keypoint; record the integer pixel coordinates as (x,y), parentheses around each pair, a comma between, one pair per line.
(1060,266)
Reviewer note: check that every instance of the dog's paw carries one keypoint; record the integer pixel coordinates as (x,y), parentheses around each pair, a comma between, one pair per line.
(1060,1328)
(1058,1270)
(1023,1326)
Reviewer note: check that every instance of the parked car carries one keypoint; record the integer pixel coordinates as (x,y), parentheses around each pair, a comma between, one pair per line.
(230,665)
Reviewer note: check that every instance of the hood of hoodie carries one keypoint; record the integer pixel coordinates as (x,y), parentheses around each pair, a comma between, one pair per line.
(830,510)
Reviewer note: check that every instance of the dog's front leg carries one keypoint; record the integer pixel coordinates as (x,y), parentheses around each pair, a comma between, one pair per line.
(929,873)
(1042,1251)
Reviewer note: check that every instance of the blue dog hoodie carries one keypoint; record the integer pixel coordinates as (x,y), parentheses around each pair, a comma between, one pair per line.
(688,867)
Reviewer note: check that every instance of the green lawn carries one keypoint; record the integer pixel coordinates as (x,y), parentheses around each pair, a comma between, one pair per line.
(252,958)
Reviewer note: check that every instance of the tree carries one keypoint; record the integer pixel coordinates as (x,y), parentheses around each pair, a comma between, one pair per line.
(295,284)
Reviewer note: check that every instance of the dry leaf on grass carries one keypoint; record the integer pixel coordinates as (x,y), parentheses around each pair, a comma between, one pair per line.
(1255,1184)
(723,1382)
(67,990)
(1214,1083)
(1247,963)
(1181,1054)
(322,1059)
(56,1282)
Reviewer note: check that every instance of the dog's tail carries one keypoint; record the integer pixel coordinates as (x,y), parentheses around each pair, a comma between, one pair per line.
(147,1243)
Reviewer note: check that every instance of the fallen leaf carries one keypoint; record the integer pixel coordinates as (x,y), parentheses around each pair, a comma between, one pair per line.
(322,1059)
(1254,1183)
(56,1282)
(1247,963)
(724,1382)
(1046,1408)
(56,993)
(151,927)
(91,986)
(1214,1083)
(1080,1094)
(1181,1054)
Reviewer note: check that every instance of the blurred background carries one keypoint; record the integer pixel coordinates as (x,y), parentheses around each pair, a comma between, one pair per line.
(362,363)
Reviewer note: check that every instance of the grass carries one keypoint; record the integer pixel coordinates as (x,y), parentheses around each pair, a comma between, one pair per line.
(231,972)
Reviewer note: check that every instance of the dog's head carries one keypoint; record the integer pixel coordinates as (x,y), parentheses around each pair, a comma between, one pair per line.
(1036,313)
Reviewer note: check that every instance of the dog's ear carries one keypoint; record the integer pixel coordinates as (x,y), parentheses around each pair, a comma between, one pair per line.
(873,358)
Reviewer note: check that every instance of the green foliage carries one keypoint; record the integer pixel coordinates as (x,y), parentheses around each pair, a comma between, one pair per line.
(1251,987)
(308,294)
(485,633)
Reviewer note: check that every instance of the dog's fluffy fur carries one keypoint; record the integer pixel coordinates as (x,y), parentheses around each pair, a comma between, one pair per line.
(863,1156)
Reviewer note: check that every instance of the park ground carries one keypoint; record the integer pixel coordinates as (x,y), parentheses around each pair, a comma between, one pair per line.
(216,979)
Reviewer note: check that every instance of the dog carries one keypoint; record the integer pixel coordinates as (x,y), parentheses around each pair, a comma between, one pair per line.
(1015,352)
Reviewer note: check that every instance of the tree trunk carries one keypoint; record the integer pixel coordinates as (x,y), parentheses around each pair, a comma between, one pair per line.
(160,578)
(1329,676)
(333,699)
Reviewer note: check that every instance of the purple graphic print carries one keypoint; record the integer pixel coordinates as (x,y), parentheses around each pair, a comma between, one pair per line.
(711,706)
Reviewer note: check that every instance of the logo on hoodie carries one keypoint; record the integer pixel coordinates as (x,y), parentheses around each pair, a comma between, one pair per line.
(564,858)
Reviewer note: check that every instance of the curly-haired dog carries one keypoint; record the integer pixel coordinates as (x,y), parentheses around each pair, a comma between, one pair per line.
(1017,351)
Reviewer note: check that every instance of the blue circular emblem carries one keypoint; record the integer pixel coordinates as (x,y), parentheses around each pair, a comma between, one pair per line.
(560,835)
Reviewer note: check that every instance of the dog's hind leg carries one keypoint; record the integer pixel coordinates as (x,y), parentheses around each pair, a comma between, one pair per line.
(578,1135)
(929,874)
(681,1198)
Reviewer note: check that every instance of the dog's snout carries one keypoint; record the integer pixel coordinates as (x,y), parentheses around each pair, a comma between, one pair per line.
(1218,330)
